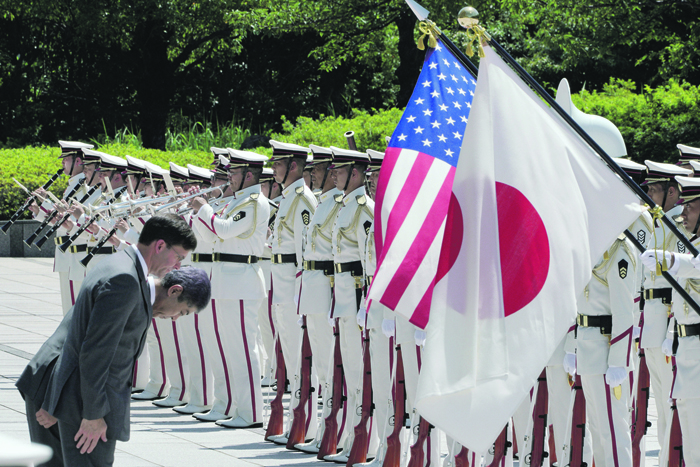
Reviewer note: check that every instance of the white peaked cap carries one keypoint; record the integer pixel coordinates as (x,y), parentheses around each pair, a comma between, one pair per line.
(603,131)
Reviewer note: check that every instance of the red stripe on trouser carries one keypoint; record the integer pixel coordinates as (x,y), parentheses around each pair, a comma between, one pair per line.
(72,294)
(247,359)
(610,422)
(162,359)
(136,370)
(223,357)
(202,360)
(179,362)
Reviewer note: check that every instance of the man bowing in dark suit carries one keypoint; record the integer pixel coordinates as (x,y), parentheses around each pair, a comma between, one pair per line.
(89,388)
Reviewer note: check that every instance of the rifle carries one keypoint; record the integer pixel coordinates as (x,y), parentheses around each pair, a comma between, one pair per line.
(275,426)
(65,217)
(539,429)
(350,136)
(392,458)
(500,447)
(84,262)
(50,217)
(462,459)
(417,453)
(297,433)
(28,203)
(329,443)
(578,422)
(675,445)
(358,452)
(640,425)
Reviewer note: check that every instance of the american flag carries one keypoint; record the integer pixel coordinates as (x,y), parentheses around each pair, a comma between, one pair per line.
(415,185)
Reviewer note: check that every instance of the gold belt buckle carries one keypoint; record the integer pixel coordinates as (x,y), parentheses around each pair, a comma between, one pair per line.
(651,294)
(195,257)
(307,265)
(681,330)
(358,282)
(215,257)
(369,280)
(338,268)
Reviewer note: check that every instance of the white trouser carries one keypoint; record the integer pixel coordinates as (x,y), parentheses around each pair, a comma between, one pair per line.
(192,346)
(559,393)
(661,377)
(175,360)
(157,378)
(267,335)
(321,340)
(381,354)
(351,351)
(688,415)
(66,300)
(608,419)
(211,326)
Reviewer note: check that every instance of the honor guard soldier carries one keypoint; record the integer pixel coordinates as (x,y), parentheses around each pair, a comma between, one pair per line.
(180,177)
(267,327)
(72,163)
(211,324)
(687,154)
(602,343)
(349,238)
(317,282)
(295,211)
(686,322)
(135,177)
(239,233)
(382,346)
(663,190)
(200,376)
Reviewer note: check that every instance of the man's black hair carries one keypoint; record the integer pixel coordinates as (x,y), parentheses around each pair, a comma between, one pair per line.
(196,288)
(170,228)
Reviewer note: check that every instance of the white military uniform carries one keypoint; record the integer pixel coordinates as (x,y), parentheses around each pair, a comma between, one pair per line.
(239,232)
(267,327)
(687,358)
(607,297)
(654,323)
(316,296)
(61,263)
(295,212)
(350,231)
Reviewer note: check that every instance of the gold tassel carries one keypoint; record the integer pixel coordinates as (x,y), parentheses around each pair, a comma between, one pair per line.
(428,29)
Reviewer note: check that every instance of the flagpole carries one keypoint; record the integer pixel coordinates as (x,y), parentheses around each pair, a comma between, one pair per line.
(459,54)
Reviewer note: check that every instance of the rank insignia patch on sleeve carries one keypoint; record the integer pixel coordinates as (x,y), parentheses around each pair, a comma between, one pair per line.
(367,226)
(641,237)
(680,246)
(239,216)
(306,216)
(622,268)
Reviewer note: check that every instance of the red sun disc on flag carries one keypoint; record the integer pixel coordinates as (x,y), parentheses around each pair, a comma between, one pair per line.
(452,241)
(524,247)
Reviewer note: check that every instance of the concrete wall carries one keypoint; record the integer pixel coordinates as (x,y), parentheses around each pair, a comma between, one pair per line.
(12,243)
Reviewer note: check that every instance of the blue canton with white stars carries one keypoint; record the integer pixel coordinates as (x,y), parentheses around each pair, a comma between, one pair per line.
(436,116)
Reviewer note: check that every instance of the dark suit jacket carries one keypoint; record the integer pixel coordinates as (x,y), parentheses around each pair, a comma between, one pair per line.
(34,379)
(92,376)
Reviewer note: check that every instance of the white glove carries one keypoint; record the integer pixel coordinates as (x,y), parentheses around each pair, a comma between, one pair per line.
(570,363)
(636,332)
(695,262)
(650,257)
(388,327)
(361,317)
(667,347)
(419,336)
(615,376)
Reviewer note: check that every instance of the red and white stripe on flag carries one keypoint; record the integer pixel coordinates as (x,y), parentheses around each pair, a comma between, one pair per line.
(415,186)
(538,207)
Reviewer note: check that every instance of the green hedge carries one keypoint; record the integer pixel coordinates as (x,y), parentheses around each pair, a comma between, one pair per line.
(652,122)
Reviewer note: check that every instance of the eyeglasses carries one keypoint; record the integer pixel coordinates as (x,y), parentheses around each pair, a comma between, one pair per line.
(180,257)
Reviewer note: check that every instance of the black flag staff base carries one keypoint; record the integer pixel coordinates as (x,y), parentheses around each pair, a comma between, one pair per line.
(467,18)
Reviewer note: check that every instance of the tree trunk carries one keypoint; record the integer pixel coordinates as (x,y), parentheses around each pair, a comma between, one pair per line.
(410,57)
(155,84)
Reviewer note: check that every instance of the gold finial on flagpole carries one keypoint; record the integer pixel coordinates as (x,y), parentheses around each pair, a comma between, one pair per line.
(468,18)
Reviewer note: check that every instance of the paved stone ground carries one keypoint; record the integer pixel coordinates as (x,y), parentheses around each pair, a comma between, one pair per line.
(30,310)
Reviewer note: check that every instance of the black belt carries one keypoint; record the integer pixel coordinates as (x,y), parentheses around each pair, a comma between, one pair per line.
(664,294)
(264,259)
(353,267)
(78,248)
(105,250)
(687,330)
(61,240)
(201,257)
(325,266)
(604,322)
(226,258)
(282,259)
